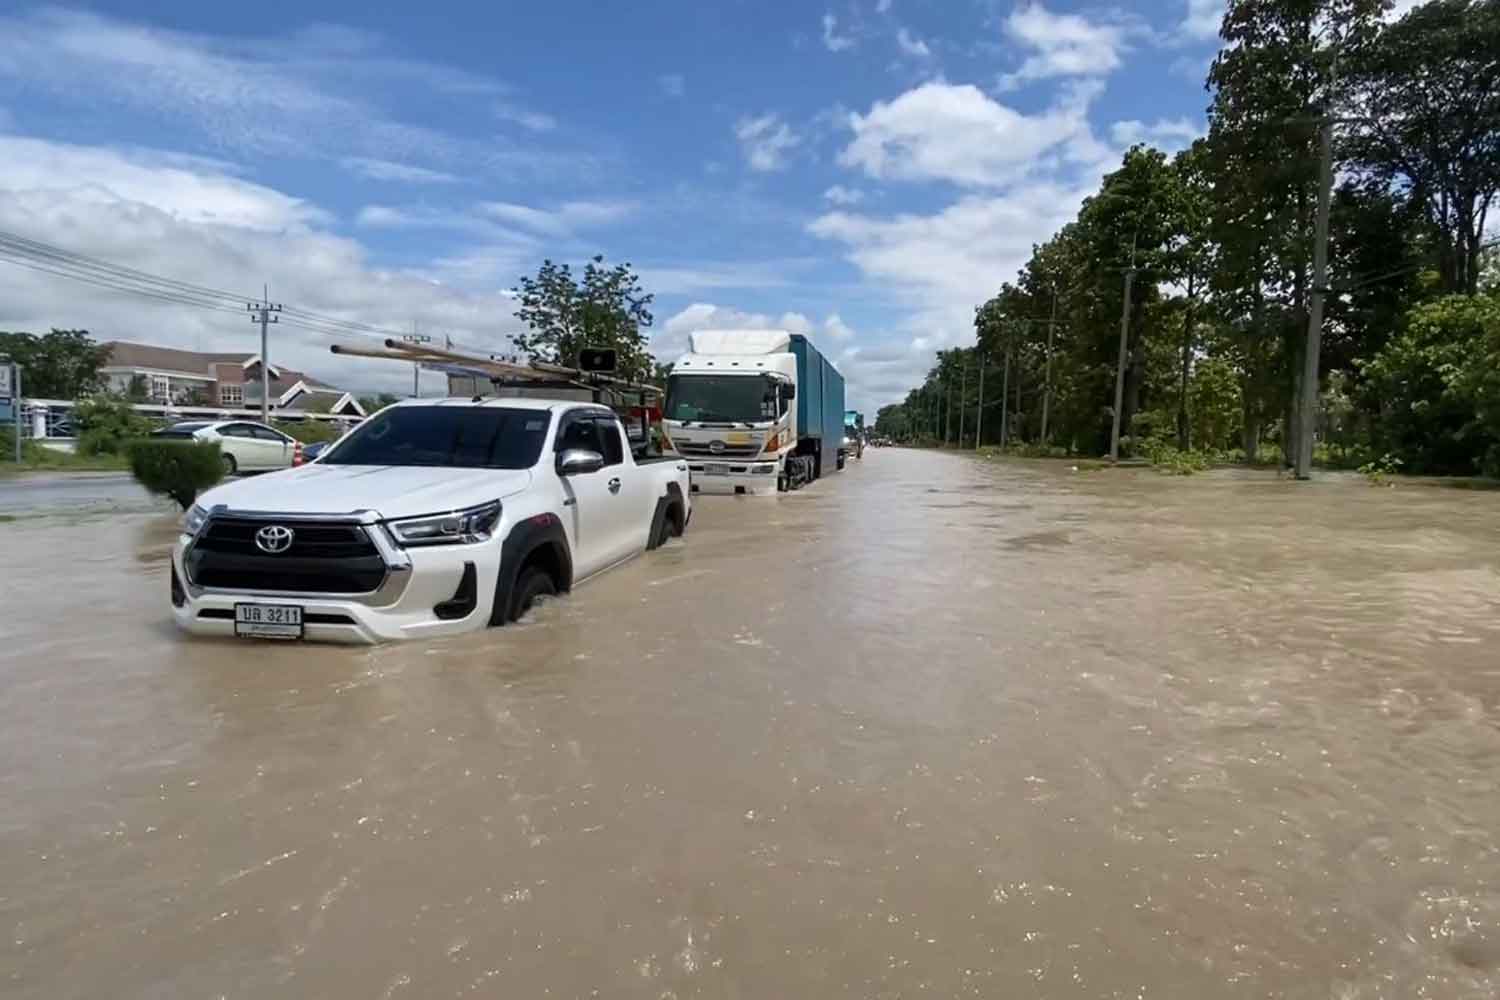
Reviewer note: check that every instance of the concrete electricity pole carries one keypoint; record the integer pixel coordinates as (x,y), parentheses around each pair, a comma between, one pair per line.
(1309,401)
(979,432)
(1114,430)
(1047,392)
(264,314)
(1005,401)
(963,391)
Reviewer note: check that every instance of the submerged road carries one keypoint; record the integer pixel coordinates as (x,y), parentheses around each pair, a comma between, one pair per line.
(933,727)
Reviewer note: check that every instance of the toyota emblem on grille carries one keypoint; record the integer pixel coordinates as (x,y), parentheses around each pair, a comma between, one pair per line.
(717,447)
(273,538)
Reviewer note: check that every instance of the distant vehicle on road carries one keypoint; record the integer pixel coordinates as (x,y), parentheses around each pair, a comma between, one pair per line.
(310,452)
(730,413)
(246,446)
(854,434)
(430,518)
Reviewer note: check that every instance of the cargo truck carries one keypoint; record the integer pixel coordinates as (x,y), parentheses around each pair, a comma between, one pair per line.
(755,411)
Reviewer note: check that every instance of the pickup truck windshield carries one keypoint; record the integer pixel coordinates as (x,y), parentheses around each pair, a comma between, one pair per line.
(720,398)
(466,437)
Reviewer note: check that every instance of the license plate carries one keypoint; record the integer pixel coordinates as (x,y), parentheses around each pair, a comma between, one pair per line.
(268,621)
(715,469)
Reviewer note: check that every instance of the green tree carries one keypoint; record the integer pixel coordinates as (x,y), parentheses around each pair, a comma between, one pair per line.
(63,364)
(1426,96)
(372,403)
(107,424)
(606,308)
(1438,405)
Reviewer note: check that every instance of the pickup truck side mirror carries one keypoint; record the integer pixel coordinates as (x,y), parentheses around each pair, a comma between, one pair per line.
(579,461)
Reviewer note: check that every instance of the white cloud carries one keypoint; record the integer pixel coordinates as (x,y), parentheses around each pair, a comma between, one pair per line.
(535,121)
(1063,44)
(832,40)
(180,217)
(942,131)
(385,170)
(34,169)
(1168,135)
(1401,8)
(766,140)
(840,195)
(495,219)
(304,95)
(672,84)
(912,45)
(1202,19)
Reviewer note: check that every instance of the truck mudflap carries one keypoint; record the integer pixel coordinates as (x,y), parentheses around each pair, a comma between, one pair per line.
(544,531)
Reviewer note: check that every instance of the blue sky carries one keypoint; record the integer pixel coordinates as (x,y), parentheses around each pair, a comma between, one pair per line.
(866,172)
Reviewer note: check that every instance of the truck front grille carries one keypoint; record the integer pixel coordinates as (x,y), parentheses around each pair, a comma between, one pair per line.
(703,449)
(325,557)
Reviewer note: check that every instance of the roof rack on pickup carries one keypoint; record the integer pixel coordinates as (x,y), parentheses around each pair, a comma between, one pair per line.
(606,389)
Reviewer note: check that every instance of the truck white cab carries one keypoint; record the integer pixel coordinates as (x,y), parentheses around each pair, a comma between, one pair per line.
(431,518)
(754,411)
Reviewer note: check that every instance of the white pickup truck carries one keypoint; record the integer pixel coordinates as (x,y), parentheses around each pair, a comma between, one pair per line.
(433,517)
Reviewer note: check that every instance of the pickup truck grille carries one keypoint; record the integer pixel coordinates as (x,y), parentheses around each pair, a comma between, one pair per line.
(702,449)
(328,557)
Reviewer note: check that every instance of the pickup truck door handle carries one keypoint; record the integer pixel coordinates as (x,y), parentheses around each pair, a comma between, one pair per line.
(614,485)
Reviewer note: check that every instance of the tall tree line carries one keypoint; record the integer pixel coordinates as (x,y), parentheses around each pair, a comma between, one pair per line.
(1215,245)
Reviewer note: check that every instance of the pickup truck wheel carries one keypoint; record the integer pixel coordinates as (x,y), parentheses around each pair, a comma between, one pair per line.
(534,586)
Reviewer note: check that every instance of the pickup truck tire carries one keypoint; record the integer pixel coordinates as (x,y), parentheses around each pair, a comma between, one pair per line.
(666,523)
(535,585)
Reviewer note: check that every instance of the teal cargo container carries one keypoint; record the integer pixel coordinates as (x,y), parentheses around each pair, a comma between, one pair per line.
(820,406)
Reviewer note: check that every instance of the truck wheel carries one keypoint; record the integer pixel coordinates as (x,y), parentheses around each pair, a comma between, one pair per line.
(534,586)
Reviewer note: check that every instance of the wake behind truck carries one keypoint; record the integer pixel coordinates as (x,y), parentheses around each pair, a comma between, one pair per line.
(755,411)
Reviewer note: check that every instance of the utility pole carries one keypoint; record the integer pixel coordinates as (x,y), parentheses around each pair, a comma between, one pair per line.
(963,390)
(1114,431)
(948,413)
(1005,401)
(1047,392)
(979,433)
(1309,402)
(264,314)
(416,366)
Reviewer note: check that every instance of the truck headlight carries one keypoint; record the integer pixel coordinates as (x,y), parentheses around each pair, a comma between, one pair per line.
(193,520)
(458,527)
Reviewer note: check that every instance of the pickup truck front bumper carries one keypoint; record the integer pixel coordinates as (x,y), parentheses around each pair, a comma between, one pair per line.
(441,590)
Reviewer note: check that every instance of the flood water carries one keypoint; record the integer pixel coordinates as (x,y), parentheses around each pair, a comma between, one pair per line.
(934,727)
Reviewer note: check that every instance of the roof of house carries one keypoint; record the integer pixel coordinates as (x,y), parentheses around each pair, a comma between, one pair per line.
(123,354)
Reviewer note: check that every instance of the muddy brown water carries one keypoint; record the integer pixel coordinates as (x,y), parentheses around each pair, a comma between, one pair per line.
(931,728)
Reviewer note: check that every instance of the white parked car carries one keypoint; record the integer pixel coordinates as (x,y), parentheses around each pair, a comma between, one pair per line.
(246,445)
(430,518)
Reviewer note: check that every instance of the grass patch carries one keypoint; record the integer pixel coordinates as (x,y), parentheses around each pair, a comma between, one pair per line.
(38,459)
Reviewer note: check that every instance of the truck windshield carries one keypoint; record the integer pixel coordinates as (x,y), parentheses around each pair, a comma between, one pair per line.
(466,437)
(721,398)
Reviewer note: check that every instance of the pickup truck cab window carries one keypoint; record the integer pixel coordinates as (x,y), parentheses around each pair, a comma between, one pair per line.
(579,431)
(609,435)
(467,437)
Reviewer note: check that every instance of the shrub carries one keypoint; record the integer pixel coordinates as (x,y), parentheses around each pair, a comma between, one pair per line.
(175,468)
(308,431)
(106,424)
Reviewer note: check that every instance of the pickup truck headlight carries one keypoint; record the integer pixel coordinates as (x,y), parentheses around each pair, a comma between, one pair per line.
(193,520)
(458,527)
